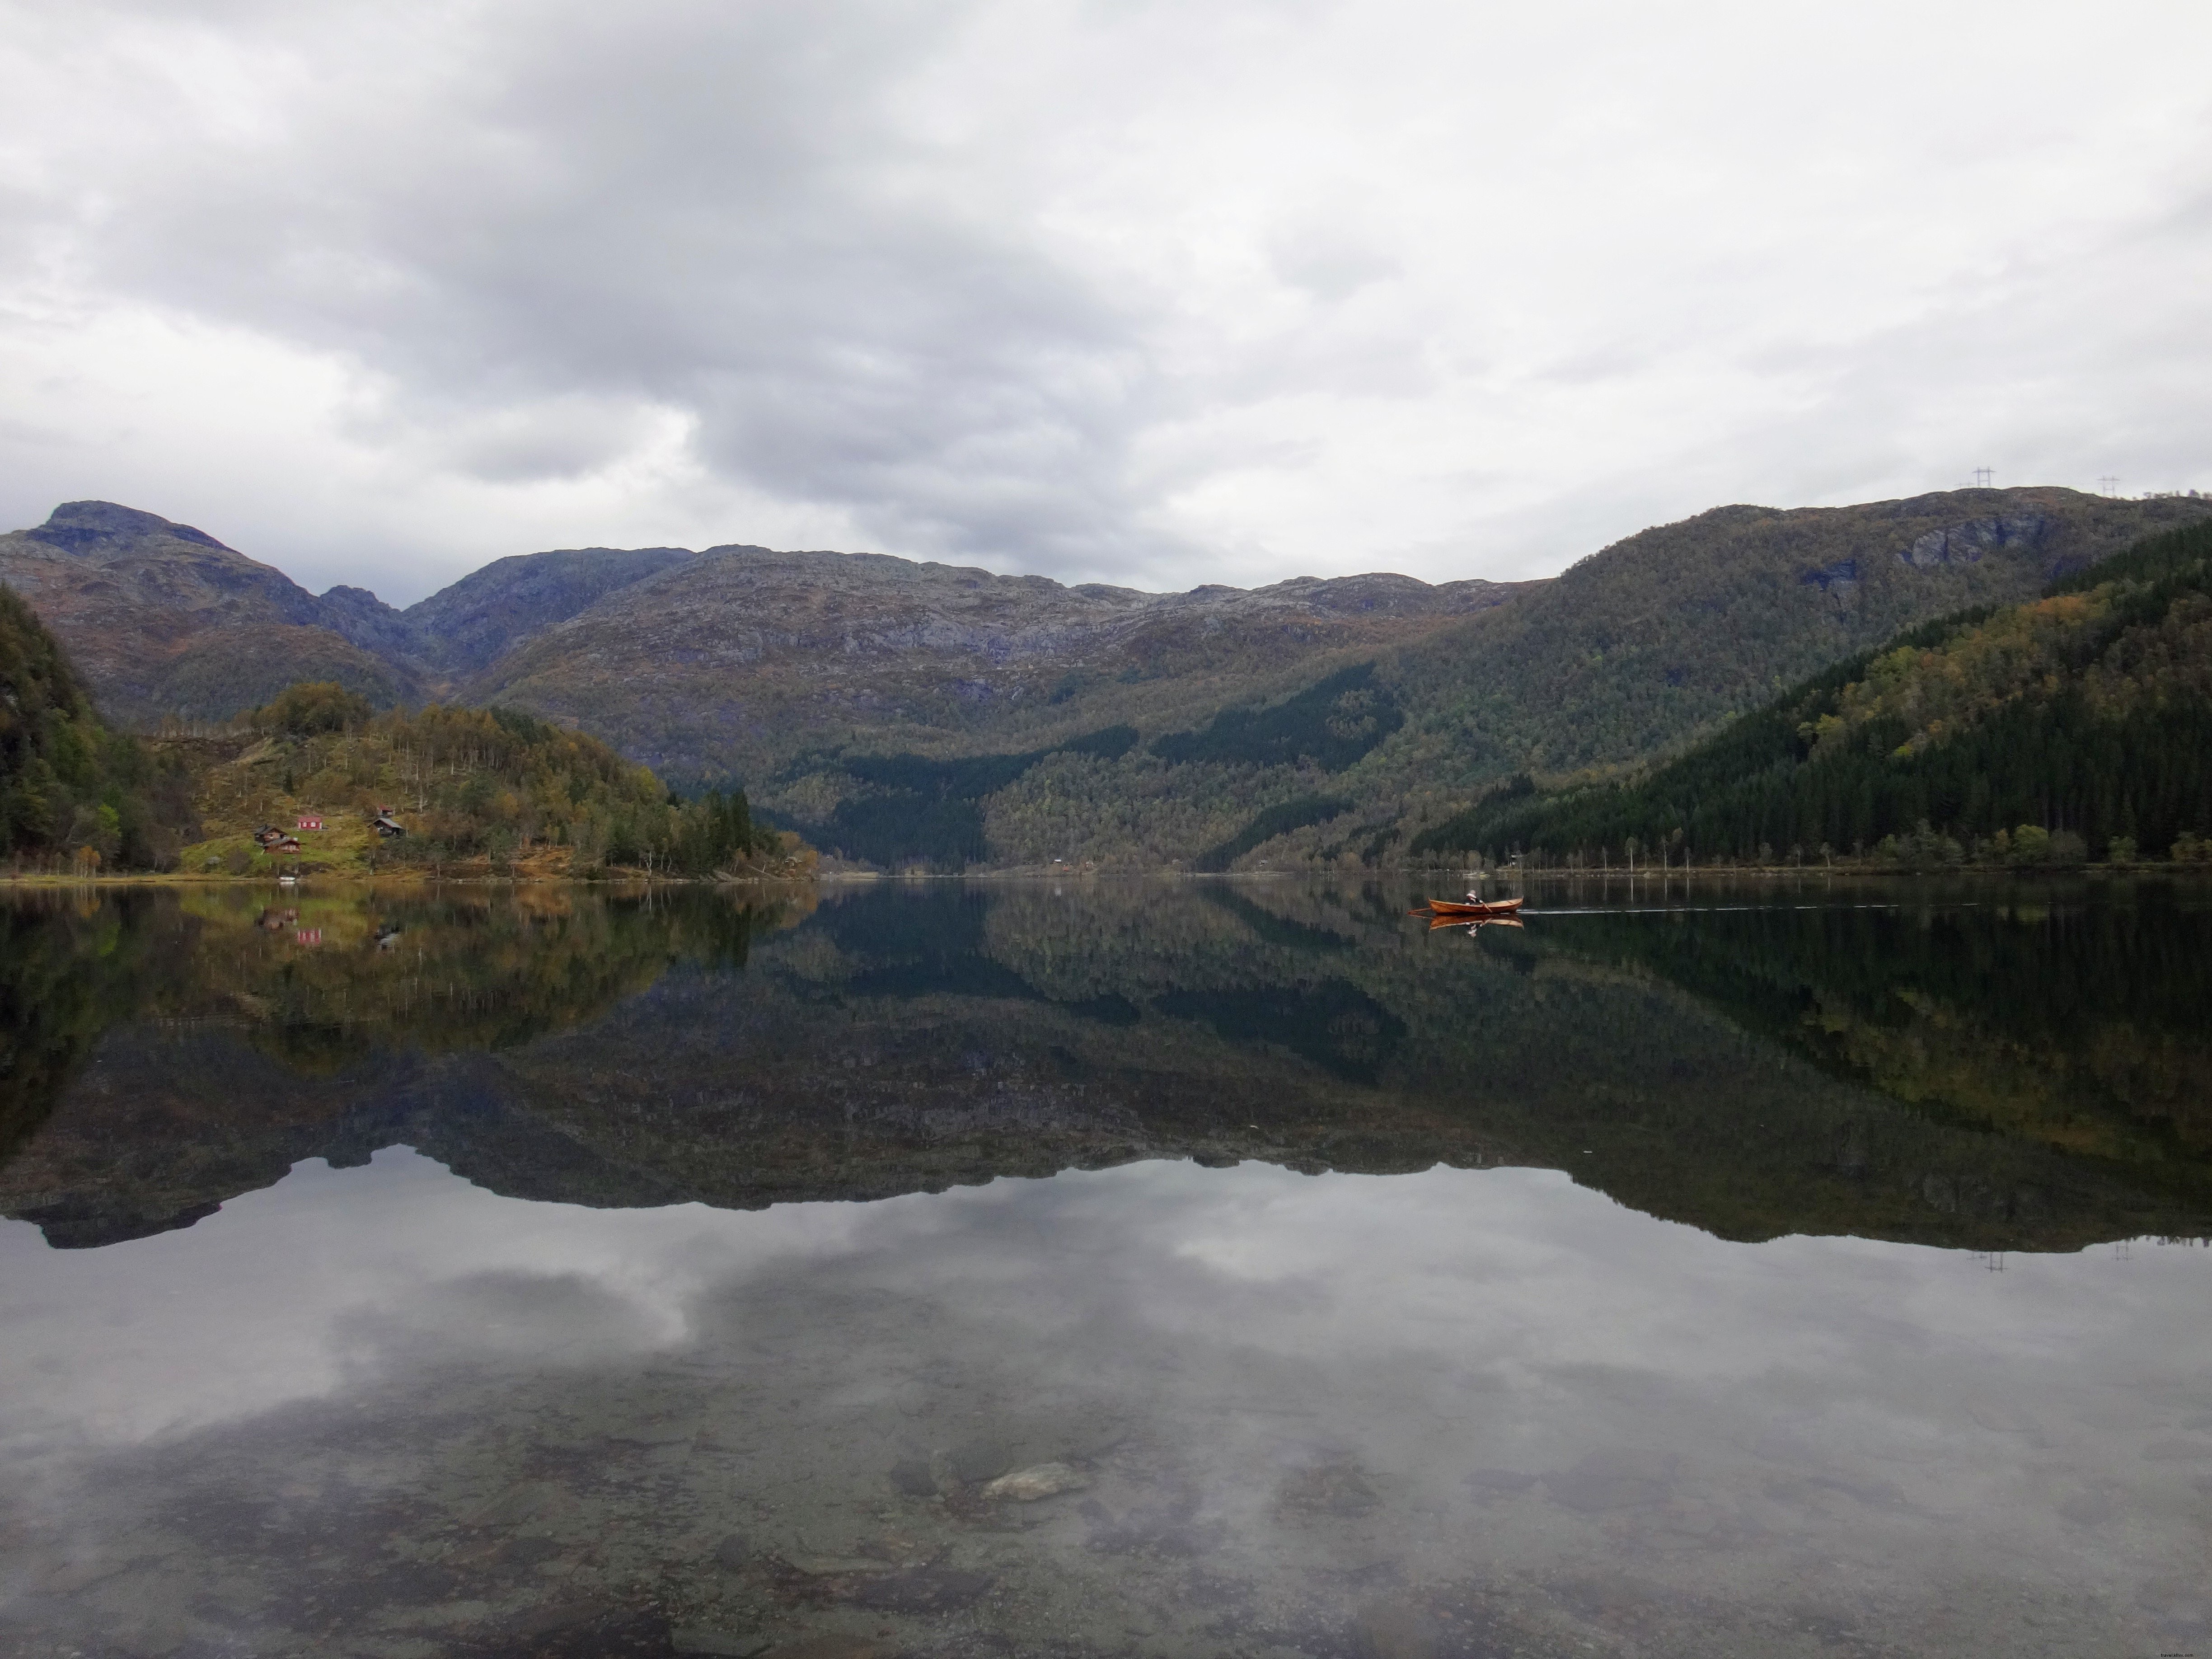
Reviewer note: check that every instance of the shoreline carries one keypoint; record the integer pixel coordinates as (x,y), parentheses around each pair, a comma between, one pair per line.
(358,878)
(628,879)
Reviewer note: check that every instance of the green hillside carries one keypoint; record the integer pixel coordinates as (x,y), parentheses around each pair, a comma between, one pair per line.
(2074,725)
(1656,639)
(1630,655)
(472,787)
(73,794)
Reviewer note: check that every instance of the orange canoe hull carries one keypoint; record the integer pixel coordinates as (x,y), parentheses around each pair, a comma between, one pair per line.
(1473,910)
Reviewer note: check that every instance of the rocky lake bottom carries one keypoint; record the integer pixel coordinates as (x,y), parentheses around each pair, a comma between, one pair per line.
(1097,1269)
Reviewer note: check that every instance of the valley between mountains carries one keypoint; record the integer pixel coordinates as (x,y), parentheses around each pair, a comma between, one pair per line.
(901,714)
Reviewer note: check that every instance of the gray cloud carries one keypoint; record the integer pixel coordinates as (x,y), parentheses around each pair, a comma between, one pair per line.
(692,206)
(381,291)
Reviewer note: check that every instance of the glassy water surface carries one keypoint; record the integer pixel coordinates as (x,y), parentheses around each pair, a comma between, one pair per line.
(1147,1269)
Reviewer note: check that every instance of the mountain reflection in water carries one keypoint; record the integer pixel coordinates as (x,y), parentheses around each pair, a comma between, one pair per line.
(1992,1069)
(1303,1343)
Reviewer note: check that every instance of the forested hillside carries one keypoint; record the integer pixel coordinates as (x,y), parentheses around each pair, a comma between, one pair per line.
(903,714)
(469,788)
(2075,726)
(73,794)
(1628,655)
(1646,644)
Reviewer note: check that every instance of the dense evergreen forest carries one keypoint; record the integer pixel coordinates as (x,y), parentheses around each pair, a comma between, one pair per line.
(909,809)
(73,793)
(2073,726)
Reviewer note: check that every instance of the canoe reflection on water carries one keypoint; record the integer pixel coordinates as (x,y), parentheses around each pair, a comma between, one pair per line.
(1439,923)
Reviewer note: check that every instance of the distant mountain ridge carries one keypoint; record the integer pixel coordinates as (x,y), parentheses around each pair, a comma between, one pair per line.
(901,713)
(162,618)
(467,626)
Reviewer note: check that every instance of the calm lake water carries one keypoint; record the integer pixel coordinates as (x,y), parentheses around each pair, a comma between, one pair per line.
(1087,1269)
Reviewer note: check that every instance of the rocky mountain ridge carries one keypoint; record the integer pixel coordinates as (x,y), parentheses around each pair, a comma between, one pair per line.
(749,656)
(162,618)
(134,595)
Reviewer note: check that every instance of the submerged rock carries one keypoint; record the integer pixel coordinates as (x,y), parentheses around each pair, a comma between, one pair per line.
(913,1477)
(1614,1478)
(921,1589)
(832,1647)
(1499,1483)
(1038,1480)
(734,1552)
(1341,1489)
(724,1644)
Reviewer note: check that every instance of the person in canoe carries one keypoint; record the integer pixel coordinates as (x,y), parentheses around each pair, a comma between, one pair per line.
(1474,907)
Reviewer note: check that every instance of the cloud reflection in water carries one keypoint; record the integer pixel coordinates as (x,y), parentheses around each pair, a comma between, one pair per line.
(1467,1396)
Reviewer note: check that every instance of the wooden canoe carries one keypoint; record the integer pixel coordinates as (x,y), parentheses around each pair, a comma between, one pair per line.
(1473,909)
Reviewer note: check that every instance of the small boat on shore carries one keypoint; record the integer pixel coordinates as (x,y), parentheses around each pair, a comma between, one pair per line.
(1473,908)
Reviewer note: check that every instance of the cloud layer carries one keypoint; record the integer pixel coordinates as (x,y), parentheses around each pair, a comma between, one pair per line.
(1151,293)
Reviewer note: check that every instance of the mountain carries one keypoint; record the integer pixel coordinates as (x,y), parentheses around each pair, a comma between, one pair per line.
(2077,723)
(901,713)
(858,696)
(467,626)
(877,704)
(160,618)
(1659,637)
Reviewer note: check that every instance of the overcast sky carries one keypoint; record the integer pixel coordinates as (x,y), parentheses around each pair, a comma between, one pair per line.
(1147,292)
